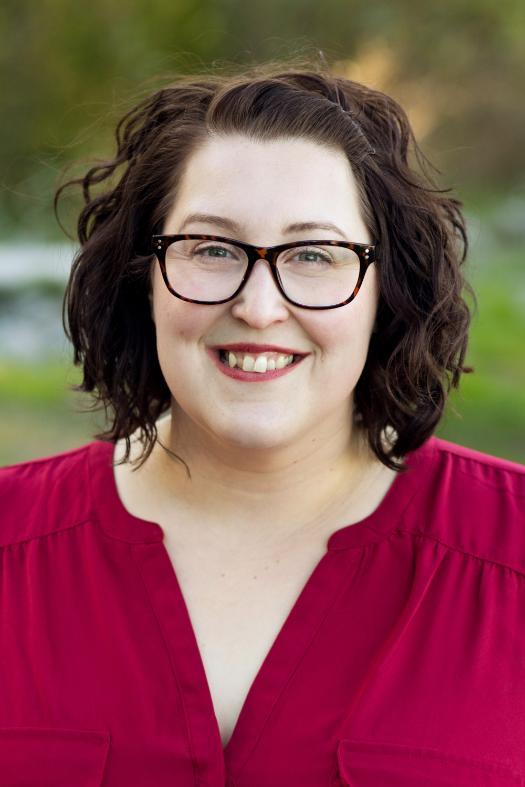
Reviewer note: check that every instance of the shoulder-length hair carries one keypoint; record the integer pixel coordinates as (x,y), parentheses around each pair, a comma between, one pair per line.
(419,342)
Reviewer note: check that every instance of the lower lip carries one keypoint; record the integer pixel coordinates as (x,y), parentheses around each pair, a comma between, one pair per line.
(250,377)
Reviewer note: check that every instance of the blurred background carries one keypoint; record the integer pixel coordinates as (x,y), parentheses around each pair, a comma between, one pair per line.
(68,73)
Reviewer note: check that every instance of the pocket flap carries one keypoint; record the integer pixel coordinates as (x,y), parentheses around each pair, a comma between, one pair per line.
(378,764)
(52,757)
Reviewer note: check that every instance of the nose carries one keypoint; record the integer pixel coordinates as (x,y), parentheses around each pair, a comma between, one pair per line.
(260,302)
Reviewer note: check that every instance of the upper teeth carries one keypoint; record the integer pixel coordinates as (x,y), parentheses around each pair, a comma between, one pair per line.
(258,363)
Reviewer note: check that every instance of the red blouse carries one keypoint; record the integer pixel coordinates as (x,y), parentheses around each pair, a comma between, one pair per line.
(401,663)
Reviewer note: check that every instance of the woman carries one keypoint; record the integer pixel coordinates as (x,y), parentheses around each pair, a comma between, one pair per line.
(267,571)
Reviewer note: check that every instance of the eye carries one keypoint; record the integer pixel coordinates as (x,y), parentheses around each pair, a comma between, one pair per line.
(217,251)
(309,256)
(213,251)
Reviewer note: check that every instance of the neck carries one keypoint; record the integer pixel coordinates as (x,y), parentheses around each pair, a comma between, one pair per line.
(294,487)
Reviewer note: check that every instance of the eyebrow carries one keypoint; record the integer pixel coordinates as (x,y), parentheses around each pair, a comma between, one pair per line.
(232,226)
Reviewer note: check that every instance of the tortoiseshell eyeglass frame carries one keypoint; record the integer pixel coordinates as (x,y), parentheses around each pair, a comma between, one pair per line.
(365,252)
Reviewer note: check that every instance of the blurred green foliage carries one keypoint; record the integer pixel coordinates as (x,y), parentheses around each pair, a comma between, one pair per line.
(39,415)
(488,411)
(68,72)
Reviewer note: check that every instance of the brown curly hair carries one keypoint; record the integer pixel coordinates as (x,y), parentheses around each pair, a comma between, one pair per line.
(419,342)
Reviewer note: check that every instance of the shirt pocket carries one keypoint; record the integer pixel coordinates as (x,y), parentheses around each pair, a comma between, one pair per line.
(52,757)
(378,764)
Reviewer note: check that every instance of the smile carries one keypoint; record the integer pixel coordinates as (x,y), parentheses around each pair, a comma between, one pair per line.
(249,367)
(261,363)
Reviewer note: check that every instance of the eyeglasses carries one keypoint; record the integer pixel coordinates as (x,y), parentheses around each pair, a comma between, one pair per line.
(312,274)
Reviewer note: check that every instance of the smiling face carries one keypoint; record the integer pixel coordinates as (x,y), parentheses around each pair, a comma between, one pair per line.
(261,188)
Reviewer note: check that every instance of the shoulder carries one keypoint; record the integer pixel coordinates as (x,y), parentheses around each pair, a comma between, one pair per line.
(44,495)
(471,501)
(475,468)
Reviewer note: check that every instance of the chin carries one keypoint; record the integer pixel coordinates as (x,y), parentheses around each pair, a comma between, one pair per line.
(264,437)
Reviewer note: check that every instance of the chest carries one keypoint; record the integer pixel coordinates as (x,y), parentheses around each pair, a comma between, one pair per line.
(237,607)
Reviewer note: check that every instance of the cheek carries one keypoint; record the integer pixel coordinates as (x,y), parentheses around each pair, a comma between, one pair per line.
(176,328)
(173,318)
(354,321)
(179,325)
(345,335)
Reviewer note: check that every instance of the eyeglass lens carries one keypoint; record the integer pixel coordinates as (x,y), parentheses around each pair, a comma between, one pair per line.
(314,275)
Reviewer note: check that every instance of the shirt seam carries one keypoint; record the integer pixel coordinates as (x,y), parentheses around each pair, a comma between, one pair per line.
(87,520)
(47,459)
(429,537)
(421,534)
(491,485)
(520,473)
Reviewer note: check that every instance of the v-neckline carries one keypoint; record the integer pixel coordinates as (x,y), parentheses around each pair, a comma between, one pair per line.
(319,593)
(312,605)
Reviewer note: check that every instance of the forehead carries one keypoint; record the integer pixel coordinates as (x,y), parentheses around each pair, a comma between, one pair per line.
(266,184)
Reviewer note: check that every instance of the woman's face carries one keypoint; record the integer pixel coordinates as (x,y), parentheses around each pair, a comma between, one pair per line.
(261,188)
